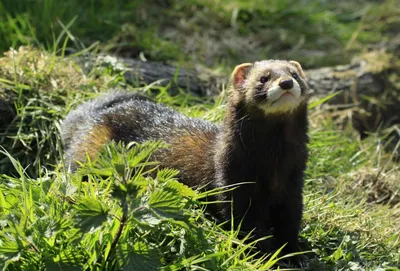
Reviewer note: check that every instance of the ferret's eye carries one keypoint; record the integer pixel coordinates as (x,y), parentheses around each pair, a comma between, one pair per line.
(264,79)
(295,76)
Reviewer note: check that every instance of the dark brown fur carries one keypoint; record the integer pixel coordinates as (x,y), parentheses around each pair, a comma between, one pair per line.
(265,150)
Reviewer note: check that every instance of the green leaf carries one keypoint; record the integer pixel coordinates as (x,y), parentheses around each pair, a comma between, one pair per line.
(322,100)
(180,188)
(168,201)
(146,216)
(137,257)
(139,154)
(68,259)
(9,253)
(167,174)
(128,193)
(91,214)
(4,205)
(165,199)
(51,265)
(8,247)
(167,204)
(4,264)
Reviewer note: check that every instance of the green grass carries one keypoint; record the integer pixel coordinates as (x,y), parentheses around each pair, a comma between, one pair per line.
(121,218)
(203,32)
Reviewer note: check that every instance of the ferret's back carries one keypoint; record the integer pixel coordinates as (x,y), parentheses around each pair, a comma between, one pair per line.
(126,117)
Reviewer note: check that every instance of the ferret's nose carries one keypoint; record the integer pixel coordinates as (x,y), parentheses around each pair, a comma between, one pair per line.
(286,84)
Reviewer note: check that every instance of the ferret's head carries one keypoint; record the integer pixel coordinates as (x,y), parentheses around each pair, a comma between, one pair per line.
(274,86)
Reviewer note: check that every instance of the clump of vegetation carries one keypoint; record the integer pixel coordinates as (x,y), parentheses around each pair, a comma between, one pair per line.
(37,89)
(119,219)
(342,220)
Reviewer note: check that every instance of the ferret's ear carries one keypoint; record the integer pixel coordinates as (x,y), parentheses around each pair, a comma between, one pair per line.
(239,74)
(298,67)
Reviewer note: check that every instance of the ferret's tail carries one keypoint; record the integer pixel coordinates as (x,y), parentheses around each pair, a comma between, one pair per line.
(86,114)
(81,123)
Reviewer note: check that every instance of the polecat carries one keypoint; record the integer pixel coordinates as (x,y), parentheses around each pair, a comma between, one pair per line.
(262,142)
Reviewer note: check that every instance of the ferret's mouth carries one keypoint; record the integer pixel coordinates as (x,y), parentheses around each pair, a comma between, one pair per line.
(287,93)
(282,100)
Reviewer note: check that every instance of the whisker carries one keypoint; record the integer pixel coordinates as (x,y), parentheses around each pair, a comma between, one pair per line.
(242,118)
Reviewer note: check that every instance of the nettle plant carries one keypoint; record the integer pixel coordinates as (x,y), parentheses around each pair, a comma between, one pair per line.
(119,212)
